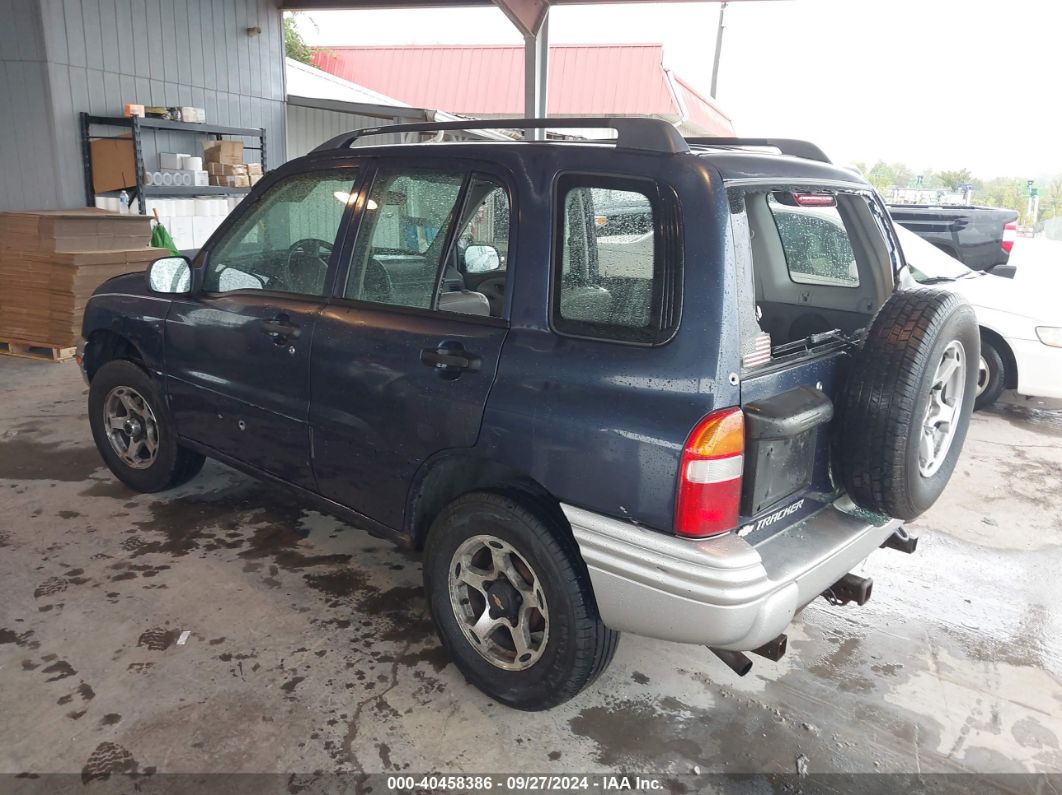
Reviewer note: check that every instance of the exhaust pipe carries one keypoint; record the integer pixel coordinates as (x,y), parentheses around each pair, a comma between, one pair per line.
(773,649)
(735,660)
(850,588)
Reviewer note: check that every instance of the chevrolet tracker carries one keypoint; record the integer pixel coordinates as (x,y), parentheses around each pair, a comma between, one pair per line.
(673,387)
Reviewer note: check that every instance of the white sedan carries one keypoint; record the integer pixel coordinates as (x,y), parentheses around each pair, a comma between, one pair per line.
(1020,318)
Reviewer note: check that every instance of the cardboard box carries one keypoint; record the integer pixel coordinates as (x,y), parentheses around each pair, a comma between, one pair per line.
(226,169)
(113,164)
(254,169)
(44,288)
(253,178)
(170,161)
(133,109)
(200,178)
(83,229)
(223,152)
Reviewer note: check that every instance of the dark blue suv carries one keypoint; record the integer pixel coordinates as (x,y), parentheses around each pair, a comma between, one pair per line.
(648,384)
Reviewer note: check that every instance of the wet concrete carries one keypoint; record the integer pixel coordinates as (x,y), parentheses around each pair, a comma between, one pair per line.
(309,647)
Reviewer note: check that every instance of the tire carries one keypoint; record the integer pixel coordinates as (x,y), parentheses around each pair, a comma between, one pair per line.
(571,646)
(885,404)
(995,376)
(122,384)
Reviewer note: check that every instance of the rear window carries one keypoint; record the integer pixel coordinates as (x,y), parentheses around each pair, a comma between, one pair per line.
(613,279)
(815,242)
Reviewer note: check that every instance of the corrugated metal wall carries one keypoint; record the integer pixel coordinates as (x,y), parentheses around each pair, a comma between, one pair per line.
(27,169)
(308,127)
(61,57)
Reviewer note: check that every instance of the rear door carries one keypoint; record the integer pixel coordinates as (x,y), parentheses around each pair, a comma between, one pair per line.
(405,352)
(237,351)
(817,267)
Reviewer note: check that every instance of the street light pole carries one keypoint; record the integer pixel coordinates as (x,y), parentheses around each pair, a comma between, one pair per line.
(718,46)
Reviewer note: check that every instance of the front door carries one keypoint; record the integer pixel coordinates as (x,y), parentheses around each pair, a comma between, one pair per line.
(405,355)
(237,351)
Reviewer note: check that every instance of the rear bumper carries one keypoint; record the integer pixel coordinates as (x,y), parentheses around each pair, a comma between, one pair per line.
(721,592)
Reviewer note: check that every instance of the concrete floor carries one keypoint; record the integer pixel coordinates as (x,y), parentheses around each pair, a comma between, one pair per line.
(310,650)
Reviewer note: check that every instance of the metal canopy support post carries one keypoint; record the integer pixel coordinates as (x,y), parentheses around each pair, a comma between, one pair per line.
(718,47)
(536,75)
(531,18)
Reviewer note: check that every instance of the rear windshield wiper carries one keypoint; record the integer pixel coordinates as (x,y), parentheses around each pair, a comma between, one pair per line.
(810,341)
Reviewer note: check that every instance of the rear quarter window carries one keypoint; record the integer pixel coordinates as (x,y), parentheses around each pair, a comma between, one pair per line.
(615,270)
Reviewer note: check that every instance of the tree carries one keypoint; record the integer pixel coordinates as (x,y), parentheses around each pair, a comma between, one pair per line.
(885,176)
(295,46)
(953,179)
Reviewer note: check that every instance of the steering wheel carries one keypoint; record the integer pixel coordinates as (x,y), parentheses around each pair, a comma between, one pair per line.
(313,249)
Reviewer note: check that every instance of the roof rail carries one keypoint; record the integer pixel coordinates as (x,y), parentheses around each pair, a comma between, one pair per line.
(787,146)
(633,132)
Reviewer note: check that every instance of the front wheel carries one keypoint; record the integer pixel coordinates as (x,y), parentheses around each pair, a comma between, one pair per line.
(512,602)
(991,376)
(133,430)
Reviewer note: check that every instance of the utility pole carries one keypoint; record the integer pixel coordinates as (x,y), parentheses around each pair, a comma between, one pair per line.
(718,47)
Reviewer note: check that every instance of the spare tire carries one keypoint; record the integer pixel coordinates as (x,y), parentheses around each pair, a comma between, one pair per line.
(906,402)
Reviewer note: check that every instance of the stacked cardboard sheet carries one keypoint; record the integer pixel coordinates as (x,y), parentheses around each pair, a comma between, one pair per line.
(52,260)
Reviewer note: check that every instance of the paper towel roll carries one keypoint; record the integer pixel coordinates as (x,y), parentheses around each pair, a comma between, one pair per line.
(167,178)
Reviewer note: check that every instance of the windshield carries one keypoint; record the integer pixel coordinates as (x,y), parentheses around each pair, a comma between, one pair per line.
(926,260)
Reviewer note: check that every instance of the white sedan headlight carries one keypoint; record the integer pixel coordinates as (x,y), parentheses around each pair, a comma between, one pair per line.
(1050,335)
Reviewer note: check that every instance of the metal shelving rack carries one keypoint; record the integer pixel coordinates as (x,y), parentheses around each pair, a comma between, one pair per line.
(137,125)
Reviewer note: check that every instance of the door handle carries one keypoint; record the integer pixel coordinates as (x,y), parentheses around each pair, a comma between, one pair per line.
(450,358)
(280,329)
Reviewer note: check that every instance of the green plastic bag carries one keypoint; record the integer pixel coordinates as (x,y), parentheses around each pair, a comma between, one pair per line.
(160,238)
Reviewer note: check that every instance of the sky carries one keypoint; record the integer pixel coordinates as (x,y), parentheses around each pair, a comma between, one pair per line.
(937,84)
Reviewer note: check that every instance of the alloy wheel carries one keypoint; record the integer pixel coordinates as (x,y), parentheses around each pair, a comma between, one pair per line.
(131,427)
(499,603)
(942,414)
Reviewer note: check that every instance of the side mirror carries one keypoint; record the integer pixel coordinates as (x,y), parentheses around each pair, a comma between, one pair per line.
(172,275)
(481,258)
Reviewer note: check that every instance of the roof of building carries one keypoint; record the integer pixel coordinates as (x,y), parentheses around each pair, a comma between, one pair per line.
(584,80)
(307,81)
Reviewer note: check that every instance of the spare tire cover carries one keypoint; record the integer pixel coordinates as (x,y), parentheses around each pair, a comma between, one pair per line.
(906,402)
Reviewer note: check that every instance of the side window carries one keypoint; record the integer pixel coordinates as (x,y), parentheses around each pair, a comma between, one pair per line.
(403,232)
(283,243)
(613,278)
(815,241)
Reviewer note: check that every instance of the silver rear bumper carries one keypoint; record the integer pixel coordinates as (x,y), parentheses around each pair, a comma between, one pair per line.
(721,592)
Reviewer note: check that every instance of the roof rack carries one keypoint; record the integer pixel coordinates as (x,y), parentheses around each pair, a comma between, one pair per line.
(787,146)
(633,132)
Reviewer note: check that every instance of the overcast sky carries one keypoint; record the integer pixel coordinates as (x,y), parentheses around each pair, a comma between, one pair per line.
(939,84)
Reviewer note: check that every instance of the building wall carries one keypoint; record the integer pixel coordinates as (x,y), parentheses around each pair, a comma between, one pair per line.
(27,169)
(62,57)
(309,127)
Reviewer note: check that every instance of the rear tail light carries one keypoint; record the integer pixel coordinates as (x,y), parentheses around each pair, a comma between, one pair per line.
(709,484)
(1010,233)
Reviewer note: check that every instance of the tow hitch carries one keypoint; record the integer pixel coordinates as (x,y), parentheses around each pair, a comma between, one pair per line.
(850,588)
(901,541)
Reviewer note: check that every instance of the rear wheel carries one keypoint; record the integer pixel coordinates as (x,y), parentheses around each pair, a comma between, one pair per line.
(991,376)
(133,430)
(512,602)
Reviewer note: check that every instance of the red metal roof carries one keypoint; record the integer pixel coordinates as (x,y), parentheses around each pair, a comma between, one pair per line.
(477,80)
